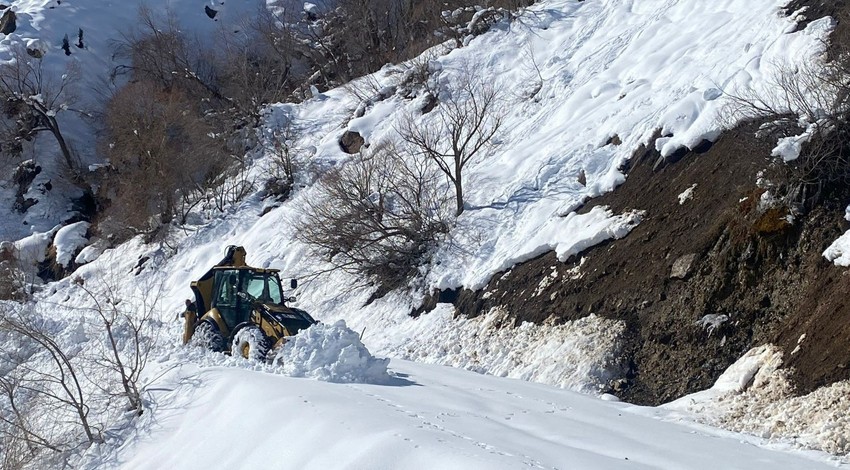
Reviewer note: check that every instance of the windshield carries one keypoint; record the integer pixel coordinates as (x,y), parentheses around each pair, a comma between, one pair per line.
(265,287)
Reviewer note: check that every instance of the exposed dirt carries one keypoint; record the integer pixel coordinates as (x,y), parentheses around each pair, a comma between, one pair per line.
(743,276)
(702,279)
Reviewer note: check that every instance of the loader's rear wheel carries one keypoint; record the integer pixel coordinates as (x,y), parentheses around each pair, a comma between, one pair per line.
(207,336)
(251,343)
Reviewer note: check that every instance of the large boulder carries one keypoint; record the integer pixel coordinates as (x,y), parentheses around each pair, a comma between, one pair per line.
(351,142)
(8,22)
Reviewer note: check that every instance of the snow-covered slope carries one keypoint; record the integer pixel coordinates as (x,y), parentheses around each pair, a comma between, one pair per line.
(572,76)
(42,25)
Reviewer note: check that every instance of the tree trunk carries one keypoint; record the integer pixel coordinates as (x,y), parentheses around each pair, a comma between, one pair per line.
(458,180)
(63,146)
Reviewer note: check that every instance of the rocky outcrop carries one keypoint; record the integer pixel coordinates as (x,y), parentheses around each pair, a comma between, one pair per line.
(24,176)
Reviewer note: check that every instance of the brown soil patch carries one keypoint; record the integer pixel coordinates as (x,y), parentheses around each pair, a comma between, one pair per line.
(743,276)
(744,264)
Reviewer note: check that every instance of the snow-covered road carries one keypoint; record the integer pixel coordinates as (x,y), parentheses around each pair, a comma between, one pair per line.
(430,417)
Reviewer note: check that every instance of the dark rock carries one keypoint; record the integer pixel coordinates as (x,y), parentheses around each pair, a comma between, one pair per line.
(35,52)
(8,22)
(23,177)
(66,45)
(210,12)
(430,103)
(703,146)
(351,142)
(140,265)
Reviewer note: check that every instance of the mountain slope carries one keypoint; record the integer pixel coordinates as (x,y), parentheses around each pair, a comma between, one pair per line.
(583,86)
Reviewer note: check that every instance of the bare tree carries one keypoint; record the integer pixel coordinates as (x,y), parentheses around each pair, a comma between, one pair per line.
(378,216)
(20,437)
(32,99)
(126,326)
(281,167)
(257,66)
(59,380)
(160,52)
(13,280)
(465,123)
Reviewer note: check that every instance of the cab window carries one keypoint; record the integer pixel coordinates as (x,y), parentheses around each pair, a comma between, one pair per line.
(264,287)
(228,286)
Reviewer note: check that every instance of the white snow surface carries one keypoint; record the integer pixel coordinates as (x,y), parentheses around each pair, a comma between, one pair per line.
(69,240)
(606,68)
(839,251)
(755,396)
(332,353)
(687,194)
(428,417)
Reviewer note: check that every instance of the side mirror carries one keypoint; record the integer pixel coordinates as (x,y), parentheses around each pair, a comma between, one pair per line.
(293,283)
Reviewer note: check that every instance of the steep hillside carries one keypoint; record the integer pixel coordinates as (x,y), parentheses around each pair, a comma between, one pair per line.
(616,234)
(701,280)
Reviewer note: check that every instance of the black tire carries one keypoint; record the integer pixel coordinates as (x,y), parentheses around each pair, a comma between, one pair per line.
(251,343)
(208,336)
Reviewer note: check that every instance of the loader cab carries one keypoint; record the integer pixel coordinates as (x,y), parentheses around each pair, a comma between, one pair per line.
(264,287)
(236,289)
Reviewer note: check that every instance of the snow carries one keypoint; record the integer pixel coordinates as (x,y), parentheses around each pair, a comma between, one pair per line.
(598,69)
(580,355)
(429,417)
(755,396)
(711,322)
(789,148)
(90,253)
(33,249)
(69,240)
(687,194)
(839,251)
(332,353)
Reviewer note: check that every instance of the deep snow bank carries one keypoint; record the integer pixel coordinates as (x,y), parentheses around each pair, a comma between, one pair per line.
(332,353)
(755,396)
(326,352)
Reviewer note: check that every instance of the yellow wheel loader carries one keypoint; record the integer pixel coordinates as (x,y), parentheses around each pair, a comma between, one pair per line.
(240,309)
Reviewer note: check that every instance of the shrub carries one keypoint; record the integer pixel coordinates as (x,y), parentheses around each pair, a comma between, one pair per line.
(809,107)
(162,151)
(378,216)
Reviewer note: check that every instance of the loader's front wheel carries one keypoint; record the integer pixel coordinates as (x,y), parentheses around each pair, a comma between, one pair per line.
(251,343)
(207,336)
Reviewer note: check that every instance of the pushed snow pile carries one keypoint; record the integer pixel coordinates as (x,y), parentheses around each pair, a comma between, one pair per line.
(755,396)
(332,353)
(580,355)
